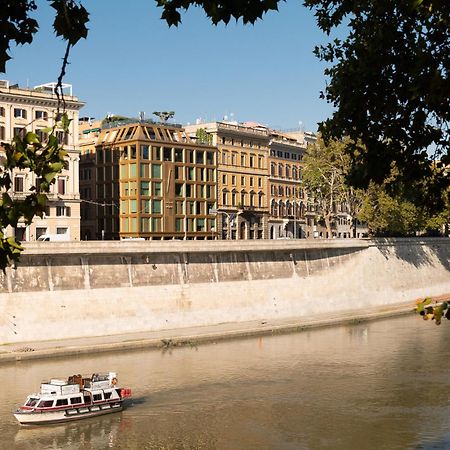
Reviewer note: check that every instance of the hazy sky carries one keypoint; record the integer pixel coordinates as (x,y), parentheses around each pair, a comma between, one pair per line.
(133,62)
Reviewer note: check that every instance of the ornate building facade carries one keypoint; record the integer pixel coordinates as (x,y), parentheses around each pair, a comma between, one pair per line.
(34,109)
(242,194)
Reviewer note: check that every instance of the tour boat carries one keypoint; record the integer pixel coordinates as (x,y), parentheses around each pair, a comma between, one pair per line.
(77,398)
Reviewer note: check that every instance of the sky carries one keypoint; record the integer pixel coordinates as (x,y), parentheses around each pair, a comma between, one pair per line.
(132,61)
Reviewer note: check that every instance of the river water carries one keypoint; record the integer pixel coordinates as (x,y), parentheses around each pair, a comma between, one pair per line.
(375,385)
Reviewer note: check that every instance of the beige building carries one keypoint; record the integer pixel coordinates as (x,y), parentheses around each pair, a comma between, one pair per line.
(34,109)
(286,195)
(146,180)
(242,192)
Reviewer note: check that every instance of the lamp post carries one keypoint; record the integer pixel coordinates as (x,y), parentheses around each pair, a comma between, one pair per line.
(215,211)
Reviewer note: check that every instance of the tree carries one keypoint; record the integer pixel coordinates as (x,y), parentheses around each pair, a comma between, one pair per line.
(389,83)
(324,178)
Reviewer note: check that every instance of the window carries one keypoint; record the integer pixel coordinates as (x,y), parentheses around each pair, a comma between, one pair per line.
(179,155)
(45,404)
(40,115)
(61,230)
(133,206)
(243,160)
(63,211)
(61,185)
(2,111)
(157,189)
(62,402)
(2,133)
(20,113)
(156,171)
(97,397)
(259,182)
(243,181)
(76,400)
(251,181)
(200,224)
(156,224)
(167,154)
(145,206)
(63,137)
(107,395)
(233,180)
(260,162)
(156,206)
(224,179)
(42,136)
(145,188)
(252,159)
(156,153)
(18,184)
(19,131)
(200,157)
(40,231)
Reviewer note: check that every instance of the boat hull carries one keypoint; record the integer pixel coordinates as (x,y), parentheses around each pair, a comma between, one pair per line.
(68,415)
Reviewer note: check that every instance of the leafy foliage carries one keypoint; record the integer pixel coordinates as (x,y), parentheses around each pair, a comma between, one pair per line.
(218,10)
(203,137)
(389,211)
(46,160)
(15,26)
(389,82)
(434,311)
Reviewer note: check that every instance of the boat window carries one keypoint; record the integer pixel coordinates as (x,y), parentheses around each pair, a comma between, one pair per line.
(97,397)
(31,402)
(75,400)
(62,402)
(107,395)
(45,404)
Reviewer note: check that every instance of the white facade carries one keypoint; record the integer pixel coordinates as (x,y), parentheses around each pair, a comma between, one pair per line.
(34,109)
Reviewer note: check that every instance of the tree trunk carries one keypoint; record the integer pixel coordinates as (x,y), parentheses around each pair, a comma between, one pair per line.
(327,218)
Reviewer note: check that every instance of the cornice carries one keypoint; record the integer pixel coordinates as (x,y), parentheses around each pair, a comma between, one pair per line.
(38,101)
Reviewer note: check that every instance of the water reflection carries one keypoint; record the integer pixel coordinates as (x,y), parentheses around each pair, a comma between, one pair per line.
(377,385)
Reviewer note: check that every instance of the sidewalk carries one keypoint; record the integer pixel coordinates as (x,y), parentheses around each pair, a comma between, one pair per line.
(188,336)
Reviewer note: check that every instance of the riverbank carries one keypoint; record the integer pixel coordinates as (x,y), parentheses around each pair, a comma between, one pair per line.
(192,336)
(92,291)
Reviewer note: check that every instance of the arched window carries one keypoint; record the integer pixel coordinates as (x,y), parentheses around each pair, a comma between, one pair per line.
(280,170)
(274,208)
(294,173)
(272,169)
(288,171)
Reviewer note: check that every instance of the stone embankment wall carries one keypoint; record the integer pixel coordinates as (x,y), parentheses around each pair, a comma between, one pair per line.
(76,289)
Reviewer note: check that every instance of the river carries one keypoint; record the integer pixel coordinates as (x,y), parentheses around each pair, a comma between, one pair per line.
(374,385)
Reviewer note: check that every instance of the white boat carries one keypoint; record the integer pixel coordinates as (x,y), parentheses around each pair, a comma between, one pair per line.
(76,398)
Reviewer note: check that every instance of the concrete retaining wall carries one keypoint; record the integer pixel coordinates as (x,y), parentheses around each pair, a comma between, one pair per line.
(63,290)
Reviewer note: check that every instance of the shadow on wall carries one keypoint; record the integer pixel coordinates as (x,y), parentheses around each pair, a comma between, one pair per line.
(416,252)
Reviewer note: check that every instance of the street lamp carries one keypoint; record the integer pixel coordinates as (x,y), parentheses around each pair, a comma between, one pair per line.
(215,211)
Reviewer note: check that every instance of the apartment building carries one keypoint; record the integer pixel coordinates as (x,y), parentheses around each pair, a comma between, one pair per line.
(34,109)
(286,195)
(242,187)
(147,180)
